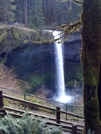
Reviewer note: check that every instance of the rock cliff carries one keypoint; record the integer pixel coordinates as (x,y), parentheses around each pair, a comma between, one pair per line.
(73,48)
(35,63)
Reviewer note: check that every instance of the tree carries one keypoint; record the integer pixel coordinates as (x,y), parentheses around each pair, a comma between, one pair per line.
(19,12)
(69,12)
(1,13)
(91,61)
(26,12)
(7,10)
(36,15)
(61,17)
(48,11)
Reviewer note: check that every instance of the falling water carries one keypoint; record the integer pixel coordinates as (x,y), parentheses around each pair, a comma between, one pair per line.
(59,60)
(60,84)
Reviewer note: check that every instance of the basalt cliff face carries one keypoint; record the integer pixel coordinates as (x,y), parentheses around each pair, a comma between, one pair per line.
(35,63)
(72,48)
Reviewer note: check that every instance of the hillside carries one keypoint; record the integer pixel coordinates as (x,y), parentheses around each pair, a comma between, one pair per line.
(11,37)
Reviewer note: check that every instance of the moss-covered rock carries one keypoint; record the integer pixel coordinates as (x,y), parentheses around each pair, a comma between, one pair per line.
(12,36)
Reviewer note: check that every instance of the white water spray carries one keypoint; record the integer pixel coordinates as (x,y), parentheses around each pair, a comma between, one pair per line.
(60,84)
(59,60)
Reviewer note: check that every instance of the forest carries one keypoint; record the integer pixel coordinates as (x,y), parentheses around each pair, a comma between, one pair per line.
(38,14)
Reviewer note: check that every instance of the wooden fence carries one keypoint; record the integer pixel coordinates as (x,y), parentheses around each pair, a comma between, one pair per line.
(75,128)
(68,107)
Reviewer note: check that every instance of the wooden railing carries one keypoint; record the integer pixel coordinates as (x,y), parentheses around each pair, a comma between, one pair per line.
(68,107)
(75,128)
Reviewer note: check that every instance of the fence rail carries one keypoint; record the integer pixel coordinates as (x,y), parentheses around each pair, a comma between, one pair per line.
(68,107)
(75,128)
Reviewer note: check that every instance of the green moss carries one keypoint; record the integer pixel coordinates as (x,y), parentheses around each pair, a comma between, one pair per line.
(92,116)
(73,71)
(34,80)
(3,35)
(13,36)
(16,34)
(90,78)
(69,83)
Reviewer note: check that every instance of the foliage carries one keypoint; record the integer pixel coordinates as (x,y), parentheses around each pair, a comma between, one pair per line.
(34,81)
(73,72)
(39,12)
(36,15)
(26,125)
(7,11)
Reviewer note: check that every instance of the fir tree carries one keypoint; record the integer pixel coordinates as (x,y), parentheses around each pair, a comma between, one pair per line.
(7,11)
(19,12)
(36,15)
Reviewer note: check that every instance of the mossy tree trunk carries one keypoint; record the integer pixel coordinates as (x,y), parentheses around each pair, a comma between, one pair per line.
(91,62)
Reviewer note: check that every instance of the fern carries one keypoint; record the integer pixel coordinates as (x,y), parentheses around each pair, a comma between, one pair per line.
(7,123)
(26,125)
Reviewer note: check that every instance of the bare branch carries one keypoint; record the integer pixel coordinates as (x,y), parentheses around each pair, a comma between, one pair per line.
(78,1)
(67,30)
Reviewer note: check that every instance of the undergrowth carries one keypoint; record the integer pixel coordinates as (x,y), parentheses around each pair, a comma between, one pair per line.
(26,125)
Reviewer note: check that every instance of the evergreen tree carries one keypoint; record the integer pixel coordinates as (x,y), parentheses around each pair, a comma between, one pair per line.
(1,13)
(49,11)
(7,10)
(36,15)
(26,12)
(61,13)
(19,12)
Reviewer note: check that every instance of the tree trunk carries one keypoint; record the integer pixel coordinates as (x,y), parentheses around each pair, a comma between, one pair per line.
(91,62)
(3,10)
(99,92)
(26,13)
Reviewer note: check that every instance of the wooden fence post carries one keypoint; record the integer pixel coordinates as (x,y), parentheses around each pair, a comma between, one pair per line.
(58,114)
(74,129)
(2,109)
(25,99)
(1,100)
(66,111)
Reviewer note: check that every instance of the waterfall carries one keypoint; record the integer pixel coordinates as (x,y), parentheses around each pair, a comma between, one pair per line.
(59,61)
(60,83)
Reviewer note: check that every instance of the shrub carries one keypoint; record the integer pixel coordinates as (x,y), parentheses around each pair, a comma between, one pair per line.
(26,125)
